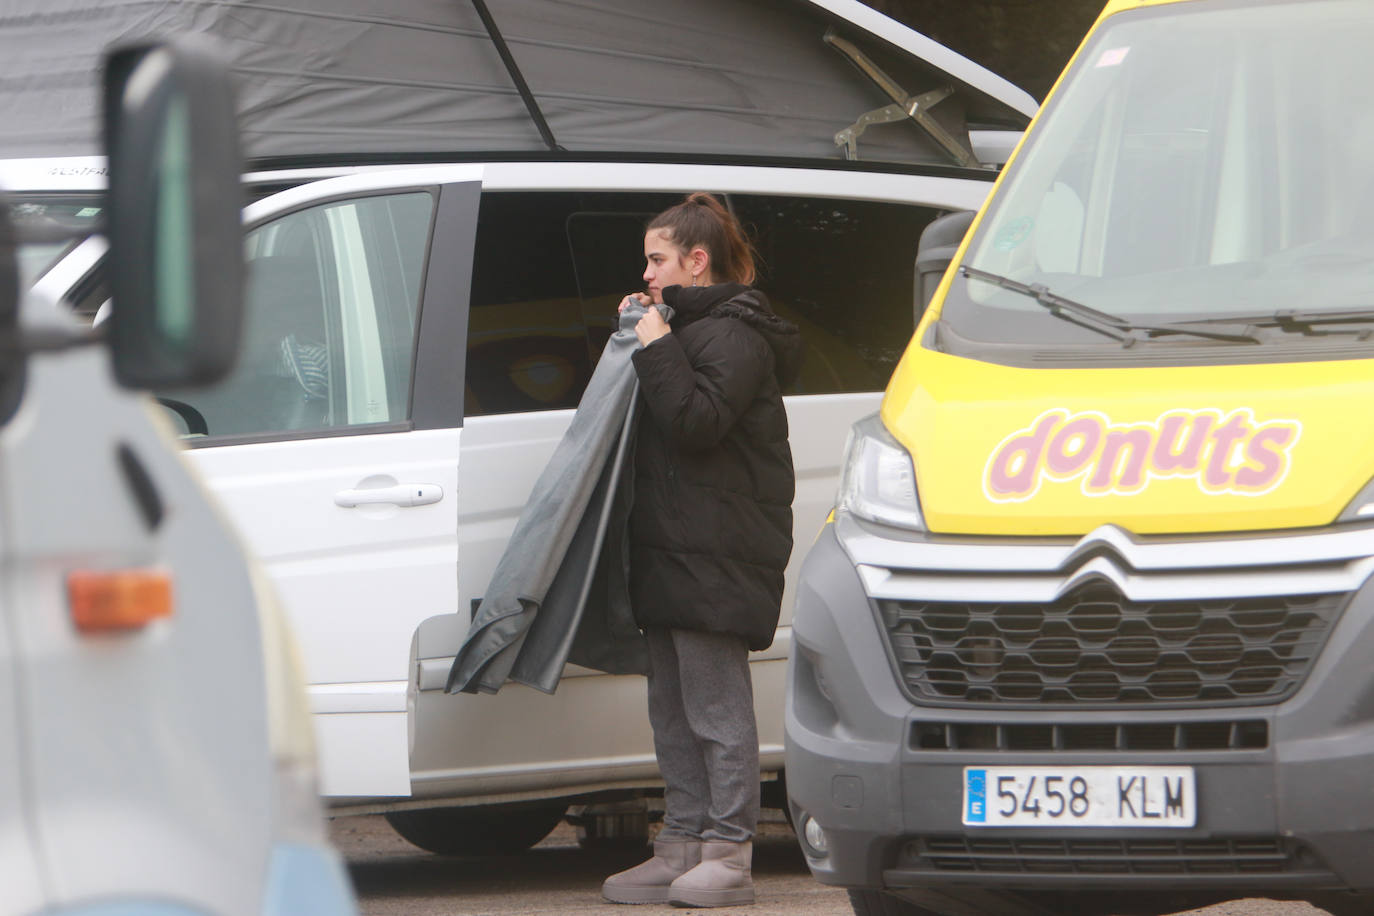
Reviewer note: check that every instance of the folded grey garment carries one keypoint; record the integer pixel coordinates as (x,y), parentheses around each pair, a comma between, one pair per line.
(308,363)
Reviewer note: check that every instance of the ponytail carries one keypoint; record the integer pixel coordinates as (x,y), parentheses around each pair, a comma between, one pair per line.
(701,221)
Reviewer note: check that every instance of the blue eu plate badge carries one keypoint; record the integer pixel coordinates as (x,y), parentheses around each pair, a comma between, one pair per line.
(975,796)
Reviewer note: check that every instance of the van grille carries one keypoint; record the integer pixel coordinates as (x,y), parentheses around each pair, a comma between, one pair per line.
(1233,856)
(1093,645)
(1019,737)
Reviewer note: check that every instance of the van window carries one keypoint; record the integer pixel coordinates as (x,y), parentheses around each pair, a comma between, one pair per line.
(551,267)
(1210,166)
(53,224)
(330,314)
(537,324)
(844,271)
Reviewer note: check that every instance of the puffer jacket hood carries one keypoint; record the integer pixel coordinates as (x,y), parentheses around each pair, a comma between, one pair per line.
(735,300)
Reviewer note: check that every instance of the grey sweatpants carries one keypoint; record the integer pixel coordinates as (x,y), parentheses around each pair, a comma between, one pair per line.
(701,706)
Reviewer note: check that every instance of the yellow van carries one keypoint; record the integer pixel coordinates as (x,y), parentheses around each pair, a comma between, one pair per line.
(1089,629)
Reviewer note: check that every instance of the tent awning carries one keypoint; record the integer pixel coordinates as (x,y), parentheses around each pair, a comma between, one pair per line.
(350,78)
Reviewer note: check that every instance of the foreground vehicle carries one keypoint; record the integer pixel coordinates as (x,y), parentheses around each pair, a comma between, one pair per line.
(1091,621)
(156,754)
(426,304)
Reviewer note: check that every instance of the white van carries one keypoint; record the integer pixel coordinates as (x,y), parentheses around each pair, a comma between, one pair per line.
(155,755)
(420,327)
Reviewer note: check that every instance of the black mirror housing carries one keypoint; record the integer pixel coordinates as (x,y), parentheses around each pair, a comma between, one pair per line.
(9,270)
(939,241)
(11,356)
(174,225)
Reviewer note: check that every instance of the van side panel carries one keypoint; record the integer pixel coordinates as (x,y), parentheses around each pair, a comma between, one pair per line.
(23,887)
(174,714)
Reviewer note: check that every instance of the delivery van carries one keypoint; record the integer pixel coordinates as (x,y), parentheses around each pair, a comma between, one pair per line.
(1089,628)
(421,322)
(156,755)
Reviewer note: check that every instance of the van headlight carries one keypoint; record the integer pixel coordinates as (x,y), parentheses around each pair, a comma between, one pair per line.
(878,480)
(1361,508)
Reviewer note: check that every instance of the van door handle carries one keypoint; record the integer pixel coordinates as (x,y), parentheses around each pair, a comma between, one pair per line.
(402,494)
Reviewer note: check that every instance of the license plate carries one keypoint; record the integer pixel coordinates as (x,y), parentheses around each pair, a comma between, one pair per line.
(1079,797)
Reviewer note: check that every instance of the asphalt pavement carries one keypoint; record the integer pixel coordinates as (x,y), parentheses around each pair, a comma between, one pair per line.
(558,876)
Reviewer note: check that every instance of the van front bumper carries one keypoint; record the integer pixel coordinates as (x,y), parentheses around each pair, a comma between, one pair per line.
(1285,796)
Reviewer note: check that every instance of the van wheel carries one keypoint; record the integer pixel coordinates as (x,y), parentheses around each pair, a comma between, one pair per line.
(951,902)
(485,830)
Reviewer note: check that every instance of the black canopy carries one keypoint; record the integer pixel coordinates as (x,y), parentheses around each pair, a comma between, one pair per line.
(343,79)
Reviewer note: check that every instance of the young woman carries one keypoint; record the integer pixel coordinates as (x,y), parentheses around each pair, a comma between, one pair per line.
(710,534)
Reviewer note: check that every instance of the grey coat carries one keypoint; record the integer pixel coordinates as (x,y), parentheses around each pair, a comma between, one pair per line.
(560,590)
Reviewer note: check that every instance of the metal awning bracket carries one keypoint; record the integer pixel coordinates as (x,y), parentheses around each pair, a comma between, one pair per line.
(917,108)
(914,108)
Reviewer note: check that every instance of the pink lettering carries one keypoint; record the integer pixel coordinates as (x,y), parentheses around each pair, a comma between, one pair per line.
(1073,446)
(1168,457)
(1015,468)
(1132,474)
(1261,450)
(1231,452)
(1218,472)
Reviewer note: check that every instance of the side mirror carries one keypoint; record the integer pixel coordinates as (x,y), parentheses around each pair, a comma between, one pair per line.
(176,243)
(9,271)
(939,241)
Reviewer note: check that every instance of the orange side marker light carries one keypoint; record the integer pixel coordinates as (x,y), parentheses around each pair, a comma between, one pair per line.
(125,599)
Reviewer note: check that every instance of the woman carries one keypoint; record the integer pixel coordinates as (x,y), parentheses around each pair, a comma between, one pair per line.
(710,534)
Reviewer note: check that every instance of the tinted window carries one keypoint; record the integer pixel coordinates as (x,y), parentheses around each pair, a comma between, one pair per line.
(329,323)
(540,316)
(844,271)
(550,268)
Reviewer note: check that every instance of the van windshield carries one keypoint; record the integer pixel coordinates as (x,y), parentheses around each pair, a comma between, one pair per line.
(50,225)
(1205,165)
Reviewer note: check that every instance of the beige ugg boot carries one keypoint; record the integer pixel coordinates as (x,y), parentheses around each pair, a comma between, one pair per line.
(648,881)
(722,879)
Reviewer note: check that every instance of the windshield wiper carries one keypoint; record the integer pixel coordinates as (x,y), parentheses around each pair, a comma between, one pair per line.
(1086,316)
(1301,321)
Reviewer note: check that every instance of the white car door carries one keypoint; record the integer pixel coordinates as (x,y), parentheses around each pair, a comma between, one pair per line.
(334,445)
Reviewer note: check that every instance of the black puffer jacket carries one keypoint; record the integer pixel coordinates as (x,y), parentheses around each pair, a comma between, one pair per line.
(711,526)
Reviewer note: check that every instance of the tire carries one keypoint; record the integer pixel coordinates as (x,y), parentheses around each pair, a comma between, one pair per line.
(948,902)
(486,830)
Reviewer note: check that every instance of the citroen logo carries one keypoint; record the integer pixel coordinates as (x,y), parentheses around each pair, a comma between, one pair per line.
(1099,556)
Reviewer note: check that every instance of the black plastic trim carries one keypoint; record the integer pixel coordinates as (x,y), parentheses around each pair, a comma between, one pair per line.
(991,736)
(460,157)
(441,353)
(1252,885)
(328,432)
(1211,705)
(146,497)
(942,337)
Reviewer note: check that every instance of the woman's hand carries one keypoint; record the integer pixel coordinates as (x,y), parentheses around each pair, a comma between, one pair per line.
(641,298)
(651,327)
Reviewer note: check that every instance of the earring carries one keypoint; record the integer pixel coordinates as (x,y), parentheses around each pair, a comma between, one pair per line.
(694,279)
